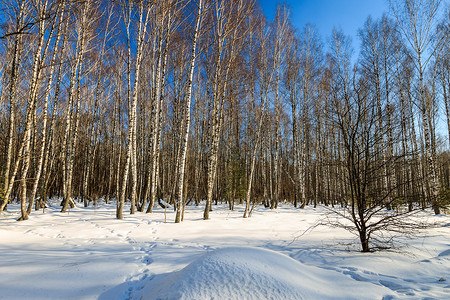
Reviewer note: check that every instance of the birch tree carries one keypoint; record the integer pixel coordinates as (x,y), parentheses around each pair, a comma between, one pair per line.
(100,80)
(280,31)
(261,60)
(187,113)
(19,25)
(416,20)
(31,105)
(59,20)
(166,23)
(310,67)
(143,15)
(228,15)
(73,103)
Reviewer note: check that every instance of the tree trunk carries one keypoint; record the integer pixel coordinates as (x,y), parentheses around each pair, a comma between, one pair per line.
(31,107)
(12,91)
(186,126)
(132,101)
(45,108)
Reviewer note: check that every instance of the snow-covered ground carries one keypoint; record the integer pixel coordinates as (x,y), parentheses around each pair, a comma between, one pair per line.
(88,254)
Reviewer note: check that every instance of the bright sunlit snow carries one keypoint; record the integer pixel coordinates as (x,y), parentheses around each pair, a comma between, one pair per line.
(88,254)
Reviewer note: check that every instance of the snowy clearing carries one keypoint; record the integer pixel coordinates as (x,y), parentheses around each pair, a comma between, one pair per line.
(88,254)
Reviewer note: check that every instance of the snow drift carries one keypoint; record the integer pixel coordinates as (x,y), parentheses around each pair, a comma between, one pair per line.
(246,273)
(143,257)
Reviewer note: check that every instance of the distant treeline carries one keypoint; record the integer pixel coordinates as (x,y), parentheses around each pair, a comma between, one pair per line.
(196,101)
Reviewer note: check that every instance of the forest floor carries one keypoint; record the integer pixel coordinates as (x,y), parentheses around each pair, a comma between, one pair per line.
(88,254)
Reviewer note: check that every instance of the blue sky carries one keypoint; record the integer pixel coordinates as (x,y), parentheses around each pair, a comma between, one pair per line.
(349,15)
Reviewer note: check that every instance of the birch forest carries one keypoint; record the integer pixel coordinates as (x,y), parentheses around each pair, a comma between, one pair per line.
(195,102)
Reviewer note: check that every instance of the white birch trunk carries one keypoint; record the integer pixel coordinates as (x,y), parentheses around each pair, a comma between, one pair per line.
(9,179)
(186,125)
(45,108)
(132,99)
(31,107)
(72,111)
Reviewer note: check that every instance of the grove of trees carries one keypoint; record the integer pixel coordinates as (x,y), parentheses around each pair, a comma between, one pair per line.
(205,101)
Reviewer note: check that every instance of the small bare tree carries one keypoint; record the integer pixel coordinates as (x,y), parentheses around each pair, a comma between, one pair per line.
(356,117)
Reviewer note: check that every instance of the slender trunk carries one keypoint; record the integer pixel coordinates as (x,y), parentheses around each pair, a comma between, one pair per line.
(160,71)
(45,108)
(132,100)
(253,159)
(295,140)
(186,126)
(9,180)
(431,170)
(121,198)
(214,133)
(119,202)
(392,181)
(445,86)
(31,107)
(72,112)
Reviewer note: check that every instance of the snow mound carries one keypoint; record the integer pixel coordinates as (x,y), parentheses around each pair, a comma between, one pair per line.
(245,273)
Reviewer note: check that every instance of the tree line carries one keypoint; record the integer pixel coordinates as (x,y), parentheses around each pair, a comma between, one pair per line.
(198,101)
